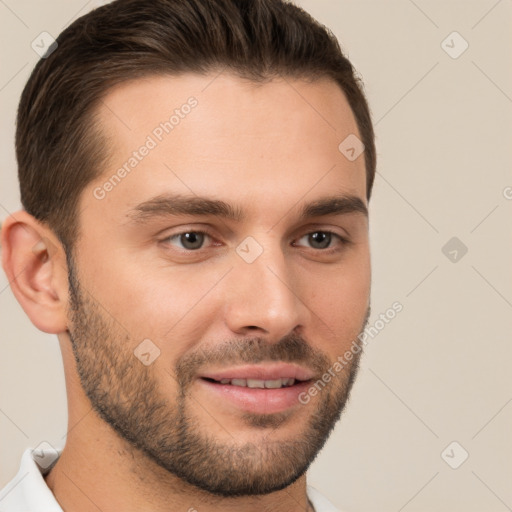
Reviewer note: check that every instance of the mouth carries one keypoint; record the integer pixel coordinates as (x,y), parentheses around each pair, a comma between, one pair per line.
(257,383)
(256,388)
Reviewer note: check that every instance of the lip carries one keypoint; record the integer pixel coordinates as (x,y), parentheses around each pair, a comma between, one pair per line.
(261,372)
(256,400)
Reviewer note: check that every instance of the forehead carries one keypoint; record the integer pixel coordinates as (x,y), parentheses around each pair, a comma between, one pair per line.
(221,135)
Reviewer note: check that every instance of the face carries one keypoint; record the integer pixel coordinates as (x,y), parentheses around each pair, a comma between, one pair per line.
(221,275)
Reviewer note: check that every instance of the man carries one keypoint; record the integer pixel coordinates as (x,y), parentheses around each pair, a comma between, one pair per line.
(195,176)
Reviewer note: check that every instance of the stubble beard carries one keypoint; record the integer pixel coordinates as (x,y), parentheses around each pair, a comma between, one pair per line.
(128,396)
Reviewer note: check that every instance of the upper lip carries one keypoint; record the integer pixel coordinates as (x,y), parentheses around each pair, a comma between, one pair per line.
(261,372)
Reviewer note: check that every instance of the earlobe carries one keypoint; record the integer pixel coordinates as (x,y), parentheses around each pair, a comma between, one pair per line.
(35,264)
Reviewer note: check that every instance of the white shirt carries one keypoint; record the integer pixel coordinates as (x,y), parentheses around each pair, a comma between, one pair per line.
(28,492)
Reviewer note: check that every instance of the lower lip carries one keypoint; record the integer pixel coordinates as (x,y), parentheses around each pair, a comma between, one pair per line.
(257,400)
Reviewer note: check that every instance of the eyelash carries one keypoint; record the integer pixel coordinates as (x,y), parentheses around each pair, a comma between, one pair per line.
(342,240)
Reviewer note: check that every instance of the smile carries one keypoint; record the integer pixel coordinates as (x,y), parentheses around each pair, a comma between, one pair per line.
(257,383)
(261,389)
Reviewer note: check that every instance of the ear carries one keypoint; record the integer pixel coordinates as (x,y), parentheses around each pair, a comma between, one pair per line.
(35,263)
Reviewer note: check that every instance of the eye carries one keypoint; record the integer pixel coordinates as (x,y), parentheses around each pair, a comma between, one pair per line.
(189,240)
(321,239)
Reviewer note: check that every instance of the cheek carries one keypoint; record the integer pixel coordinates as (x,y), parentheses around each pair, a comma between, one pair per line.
(340,301)
(158,302)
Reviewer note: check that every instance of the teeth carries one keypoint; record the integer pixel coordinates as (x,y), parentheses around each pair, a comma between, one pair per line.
(253,383)
(261,384)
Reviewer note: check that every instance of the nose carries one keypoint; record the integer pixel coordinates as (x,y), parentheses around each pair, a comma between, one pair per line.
(265,298)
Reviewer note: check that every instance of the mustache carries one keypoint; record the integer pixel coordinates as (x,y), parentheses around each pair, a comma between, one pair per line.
(293,348)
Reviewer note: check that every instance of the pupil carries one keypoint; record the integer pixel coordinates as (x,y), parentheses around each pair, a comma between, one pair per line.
(321,239)
(192,240)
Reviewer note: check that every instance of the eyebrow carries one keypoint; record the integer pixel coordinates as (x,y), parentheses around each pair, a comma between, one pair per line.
(165,205)
(175,205)
(336,205)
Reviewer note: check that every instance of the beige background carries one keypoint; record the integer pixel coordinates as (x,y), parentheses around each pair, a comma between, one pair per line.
(439,372)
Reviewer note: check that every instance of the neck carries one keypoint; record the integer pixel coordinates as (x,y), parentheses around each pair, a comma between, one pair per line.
(108,476)
(99,470)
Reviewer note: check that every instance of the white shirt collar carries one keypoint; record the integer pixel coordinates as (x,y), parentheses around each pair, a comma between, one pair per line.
(28,492)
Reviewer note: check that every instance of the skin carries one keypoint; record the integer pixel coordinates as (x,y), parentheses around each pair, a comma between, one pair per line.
(267,150)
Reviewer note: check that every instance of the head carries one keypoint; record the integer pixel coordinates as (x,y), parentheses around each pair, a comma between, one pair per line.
(180,165)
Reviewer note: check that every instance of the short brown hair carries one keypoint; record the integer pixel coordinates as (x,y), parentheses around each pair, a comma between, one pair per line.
(58,146)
